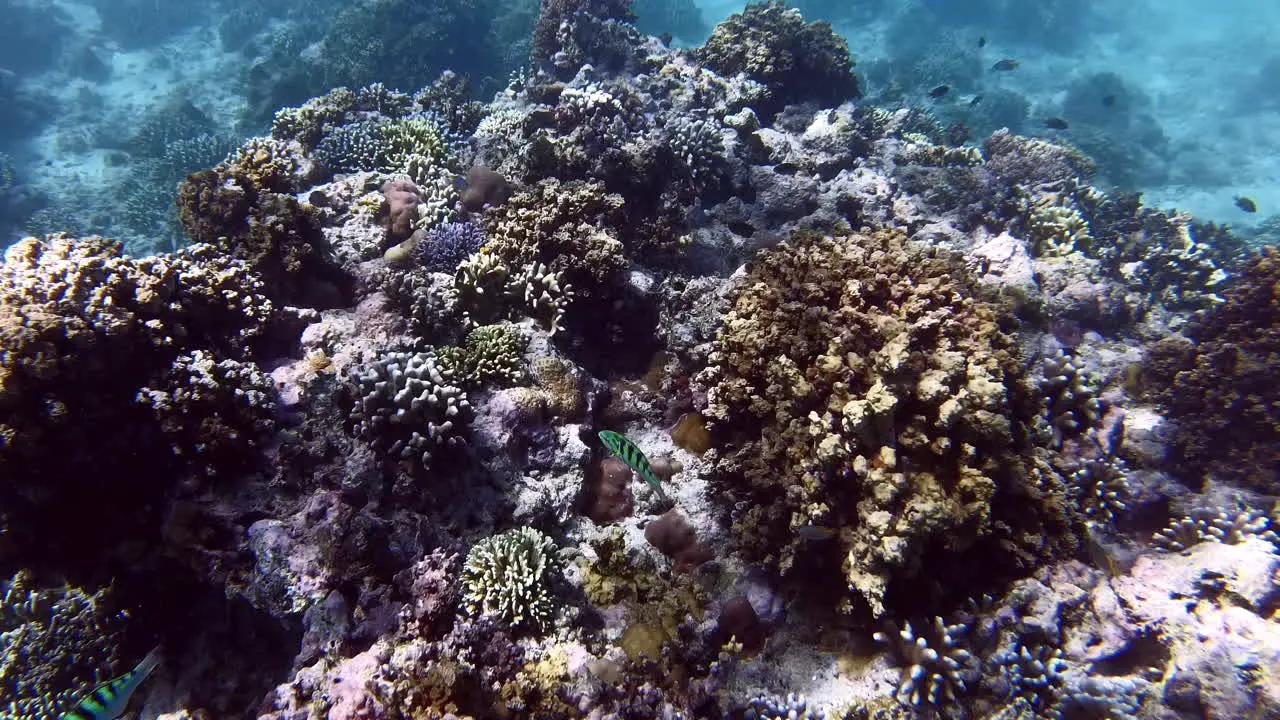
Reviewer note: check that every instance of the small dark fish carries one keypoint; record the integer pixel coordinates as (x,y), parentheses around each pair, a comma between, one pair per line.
(1005,65)
(1056,123)
(939,91)
(814,533)
(633,456)
(1246,204)
(982,41)
(1108,100)
(976,99)
(108,700)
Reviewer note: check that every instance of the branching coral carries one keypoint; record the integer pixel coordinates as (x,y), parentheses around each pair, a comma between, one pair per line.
(244,208)
(489,354)
(55,645)
(215,412)
(1101,490)
(1216,526)
(1071,398)
(796,61)
(507,577)
(933,663)
(773,707)
(446,245)
(870,390)
(406,407)
(568,227)
(488,290)
(85,328)
(1036,676)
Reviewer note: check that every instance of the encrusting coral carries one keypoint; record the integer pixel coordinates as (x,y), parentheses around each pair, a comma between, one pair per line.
(868,389)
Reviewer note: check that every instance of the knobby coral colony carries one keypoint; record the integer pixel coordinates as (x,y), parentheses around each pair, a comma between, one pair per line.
(412,484)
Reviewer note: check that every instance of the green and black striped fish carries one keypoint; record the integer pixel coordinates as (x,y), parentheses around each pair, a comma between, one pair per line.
(108,700)
(634,458)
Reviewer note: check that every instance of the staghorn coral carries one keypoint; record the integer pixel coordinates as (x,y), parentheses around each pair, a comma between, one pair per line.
(867,387)
(506,577)
(1220,389)
(794,60)
(406,407)
(933,664)
(55,645)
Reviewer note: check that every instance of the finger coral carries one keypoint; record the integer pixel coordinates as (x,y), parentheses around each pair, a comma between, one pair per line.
(869,389)
(506,577)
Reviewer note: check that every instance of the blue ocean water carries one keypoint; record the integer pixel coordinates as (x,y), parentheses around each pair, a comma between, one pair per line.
(1192,124)
(912,407)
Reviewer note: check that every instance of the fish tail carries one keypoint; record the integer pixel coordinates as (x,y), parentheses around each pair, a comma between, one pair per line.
(148,664)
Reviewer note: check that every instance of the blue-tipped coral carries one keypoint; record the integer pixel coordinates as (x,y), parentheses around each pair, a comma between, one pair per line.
(933,665)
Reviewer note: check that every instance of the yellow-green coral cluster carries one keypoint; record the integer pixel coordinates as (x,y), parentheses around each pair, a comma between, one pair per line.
(507,577)
(1055,226)
(872,392)
(489,353)
(488,289)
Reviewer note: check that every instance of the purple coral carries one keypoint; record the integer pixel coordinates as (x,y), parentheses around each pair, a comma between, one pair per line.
(448,244)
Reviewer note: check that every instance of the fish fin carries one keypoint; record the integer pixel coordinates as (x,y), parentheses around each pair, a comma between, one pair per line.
(149,663)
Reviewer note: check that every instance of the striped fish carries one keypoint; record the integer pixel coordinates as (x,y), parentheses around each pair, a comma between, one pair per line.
(634,458)
(108,700)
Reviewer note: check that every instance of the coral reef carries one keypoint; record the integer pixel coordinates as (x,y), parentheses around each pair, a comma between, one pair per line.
(895,415)
(1217,388)
(795,61)
(55,645)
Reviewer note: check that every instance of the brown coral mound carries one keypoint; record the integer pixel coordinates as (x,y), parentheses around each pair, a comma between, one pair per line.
(873,397)
(82,330)
(569,227)
(795,61)
(243,208)
(1221,389)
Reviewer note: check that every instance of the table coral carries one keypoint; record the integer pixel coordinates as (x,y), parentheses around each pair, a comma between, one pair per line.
(875,393)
